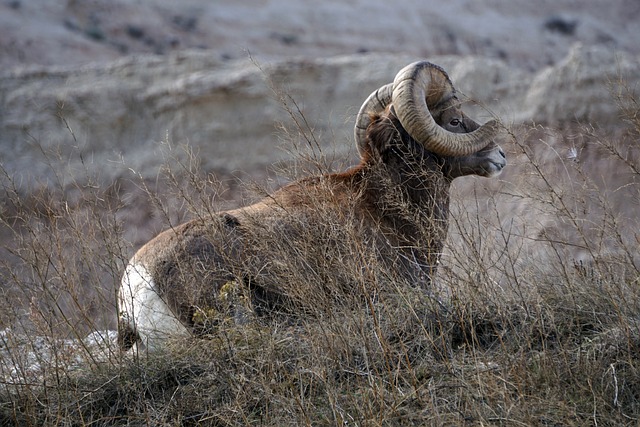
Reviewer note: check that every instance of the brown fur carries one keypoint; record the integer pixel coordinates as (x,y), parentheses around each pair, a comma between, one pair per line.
(392,209)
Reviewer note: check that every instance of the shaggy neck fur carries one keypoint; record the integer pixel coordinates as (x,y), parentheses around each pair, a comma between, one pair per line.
(408,189)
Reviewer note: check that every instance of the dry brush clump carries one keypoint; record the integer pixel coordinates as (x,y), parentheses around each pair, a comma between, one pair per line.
(552,261)
(531,322)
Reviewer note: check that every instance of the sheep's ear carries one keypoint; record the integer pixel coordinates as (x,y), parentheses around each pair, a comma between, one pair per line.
(374,105)
(380,134)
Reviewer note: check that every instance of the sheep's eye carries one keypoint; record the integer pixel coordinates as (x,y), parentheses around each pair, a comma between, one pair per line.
(455,122)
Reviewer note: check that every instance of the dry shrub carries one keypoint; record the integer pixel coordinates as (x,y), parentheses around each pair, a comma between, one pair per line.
(532,319)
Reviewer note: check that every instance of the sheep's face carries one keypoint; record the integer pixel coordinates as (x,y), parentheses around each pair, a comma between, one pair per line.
(386,131)
(425,115)
(488,162)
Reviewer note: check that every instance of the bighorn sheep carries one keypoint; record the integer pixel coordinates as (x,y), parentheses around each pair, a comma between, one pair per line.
(413,140)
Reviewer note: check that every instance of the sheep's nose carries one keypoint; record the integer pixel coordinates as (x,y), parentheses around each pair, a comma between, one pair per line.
(504,156)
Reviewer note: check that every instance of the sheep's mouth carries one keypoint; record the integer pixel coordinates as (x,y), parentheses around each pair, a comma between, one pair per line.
(499,165)
(494,168)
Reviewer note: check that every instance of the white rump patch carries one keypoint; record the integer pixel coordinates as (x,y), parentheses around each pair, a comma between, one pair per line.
(143,309)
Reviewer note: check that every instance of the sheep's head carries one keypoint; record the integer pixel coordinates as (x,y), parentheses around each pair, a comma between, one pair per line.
(423,101)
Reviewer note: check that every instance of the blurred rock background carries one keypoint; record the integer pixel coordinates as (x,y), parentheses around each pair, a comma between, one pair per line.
(124,75)
(527,34)
(95,94)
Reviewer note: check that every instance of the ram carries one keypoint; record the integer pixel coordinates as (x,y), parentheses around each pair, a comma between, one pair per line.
(389,213)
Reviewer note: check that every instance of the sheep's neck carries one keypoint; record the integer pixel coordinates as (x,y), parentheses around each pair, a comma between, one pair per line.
(411,198)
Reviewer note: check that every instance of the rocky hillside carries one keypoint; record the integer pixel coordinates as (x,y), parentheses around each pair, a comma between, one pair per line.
(524,33)
(114,118)
(100,84)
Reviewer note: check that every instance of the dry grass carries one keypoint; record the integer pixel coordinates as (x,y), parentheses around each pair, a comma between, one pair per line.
(530,322)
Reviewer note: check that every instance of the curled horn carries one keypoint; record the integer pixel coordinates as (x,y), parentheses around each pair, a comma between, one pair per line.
(421,84)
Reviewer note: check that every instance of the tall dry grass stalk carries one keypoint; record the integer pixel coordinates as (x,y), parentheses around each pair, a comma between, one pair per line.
(532,319)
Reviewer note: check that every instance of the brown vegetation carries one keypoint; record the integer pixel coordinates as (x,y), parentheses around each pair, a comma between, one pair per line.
(537,322)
